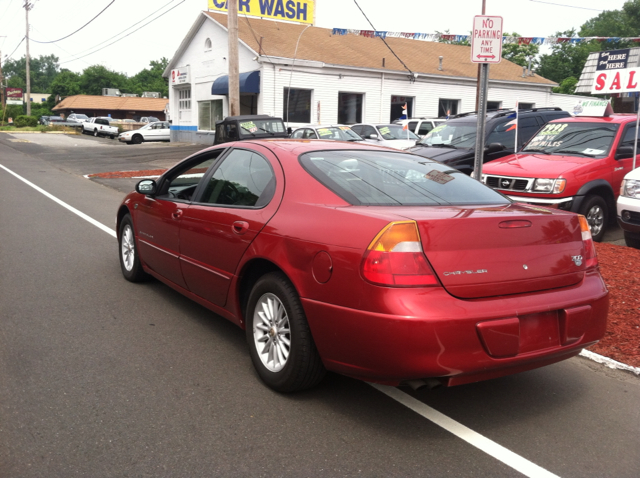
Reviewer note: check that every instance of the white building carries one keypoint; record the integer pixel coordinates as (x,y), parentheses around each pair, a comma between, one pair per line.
(331,78)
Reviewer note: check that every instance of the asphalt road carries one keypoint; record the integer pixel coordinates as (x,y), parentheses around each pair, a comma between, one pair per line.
(100,377)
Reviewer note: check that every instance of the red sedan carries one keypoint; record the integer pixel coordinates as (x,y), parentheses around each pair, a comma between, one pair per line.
(366,261)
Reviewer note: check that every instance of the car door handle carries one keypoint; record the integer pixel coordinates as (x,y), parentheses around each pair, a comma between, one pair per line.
(240,227)
(177,214)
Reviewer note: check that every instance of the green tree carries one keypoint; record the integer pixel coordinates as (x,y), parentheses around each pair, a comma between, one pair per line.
(615,23)
(567,87)
(66,83)
(150,79)
(42,72)
(566,59)
(520,53)
(96,77)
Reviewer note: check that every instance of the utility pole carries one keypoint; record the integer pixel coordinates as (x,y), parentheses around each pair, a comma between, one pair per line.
(2,95)
(484,8)
(234,75)
(28,6)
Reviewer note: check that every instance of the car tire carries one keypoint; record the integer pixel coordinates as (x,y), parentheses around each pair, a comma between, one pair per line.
(128,252)
(137,139)
(594,208)
(95,133)
(112,137)
(280,342)
(631,240)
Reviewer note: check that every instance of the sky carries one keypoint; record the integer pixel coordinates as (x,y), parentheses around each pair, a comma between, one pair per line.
(155,28)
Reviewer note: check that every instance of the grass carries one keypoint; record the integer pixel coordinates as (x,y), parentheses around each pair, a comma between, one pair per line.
(40,128)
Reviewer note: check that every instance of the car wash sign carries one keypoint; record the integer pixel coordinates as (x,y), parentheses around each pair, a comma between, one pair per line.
(299,11)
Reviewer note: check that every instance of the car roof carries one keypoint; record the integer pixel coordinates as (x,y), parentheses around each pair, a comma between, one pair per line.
(614,118)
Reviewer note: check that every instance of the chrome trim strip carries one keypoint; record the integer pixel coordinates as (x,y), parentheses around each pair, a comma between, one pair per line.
(528,199)
(156,247)
(193,263)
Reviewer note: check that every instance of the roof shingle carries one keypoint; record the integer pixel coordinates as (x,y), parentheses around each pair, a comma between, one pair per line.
(129,103)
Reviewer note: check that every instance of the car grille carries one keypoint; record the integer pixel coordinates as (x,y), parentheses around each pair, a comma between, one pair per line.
(635,217)
(512,184)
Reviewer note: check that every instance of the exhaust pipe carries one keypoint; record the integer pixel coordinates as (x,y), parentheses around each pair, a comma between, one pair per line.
(431,383)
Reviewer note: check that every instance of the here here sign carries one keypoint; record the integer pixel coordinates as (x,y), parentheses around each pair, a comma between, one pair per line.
(486,39)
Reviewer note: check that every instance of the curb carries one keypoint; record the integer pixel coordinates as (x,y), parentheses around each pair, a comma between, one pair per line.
(610,363)
(40,132)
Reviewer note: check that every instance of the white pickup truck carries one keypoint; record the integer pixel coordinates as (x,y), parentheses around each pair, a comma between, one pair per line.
(100,127)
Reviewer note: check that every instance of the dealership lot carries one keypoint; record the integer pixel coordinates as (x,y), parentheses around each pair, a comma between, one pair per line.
(102,378)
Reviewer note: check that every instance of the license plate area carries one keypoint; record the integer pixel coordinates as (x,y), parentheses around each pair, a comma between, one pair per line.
(539,331)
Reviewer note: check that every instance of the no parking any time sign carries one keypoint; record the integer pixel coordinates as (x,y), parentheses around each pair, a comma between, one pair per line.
(486,39)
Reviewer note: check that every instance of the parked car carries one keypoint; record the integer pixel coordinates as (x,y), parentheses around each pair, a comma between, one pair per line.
(336,132)
(43,120)
(149,119)
(77,118)
(364,263)
(238,128)
(629,207)
(574,164)
(421,126)
(453,142)
(159,131)
(100,127)
(390,135)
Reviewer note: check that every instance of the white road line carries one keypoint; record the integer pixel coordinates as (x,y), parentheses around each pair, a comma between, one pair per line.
(490,447)
(63,204)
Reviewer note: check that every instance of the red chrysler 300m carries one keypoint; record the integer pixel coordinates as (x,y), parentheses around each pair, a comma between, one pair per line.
(366,261)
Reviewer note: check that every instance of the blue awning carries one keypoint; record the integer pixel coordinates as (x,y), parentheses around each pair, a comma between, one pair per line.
(249,83)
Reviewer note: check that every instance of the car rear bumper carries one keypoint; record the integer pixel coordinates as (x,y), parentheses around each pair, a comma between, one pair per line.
(459,341)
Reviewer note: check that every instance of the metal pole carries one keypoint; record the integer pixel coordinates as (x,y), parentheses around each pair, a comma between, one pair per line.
(482,113)
(635,141)
(484,5)
(27,6)
(2,100)
(234,75)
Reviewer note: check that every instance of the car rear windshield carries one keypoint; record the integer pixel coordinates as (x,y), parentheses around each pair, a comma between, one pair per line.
(339,133)
(381,178)
(395,131)
(574,139)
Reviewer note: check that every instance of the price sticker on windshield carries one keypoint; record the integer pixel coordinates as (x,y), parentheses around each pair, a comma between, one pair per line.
(250,126)
(385,130)
(324,132)
(439,177)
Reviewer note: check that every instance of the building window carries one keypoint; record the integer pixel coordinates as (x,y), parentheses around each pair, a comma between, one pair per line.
(397,103)
(207,44)
(208,113)
(494,105)
(350,108)
(526,106)
(447,108)
(296,106)
(184,99)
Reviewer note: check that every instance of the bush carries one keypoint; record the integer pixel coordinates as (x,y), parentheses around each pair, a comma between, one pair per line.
(22,121)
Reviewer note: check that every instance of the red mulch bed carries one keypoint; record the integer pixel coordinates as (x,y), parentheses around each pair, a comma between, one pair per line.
(618,265)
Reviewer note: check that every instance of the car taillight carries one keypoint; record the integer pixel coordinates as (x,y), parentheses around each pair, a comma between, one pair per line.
(590,259)
(395,258)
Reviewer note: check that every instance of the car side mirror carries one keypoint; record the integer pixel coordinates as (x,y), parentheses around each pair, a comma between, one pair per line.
(374,136)
(624,152)
(494,148)
(147,187)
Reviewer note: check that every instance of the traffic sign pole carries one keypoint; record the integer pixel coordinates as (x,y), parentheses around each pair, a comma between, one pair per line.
(486,48)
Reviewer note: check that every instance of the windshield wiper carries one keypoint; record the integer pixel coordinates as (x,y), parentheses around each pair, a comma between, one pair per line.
(573,151)
(266,131)
(248,130)
(439,145)
(543,151)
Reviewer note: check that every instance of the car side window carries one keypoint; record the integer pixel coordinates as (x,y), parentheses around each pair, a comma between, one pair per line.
(627,139)
(358,129)
(310,134)
(183,183)
(503,133)
(412,125)
(368,131)
(297,133)
(527,127)
(425,127)
(244,178)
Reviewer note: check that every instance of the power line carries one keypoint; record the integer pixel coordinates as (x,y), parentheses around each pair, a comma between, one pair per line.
(569,6)
(385,42)
(63,38)
(131,33)
(9,56)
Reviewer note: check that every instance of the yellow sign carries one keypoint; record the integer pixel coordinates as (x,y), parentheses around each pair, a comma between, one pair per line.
(300,11)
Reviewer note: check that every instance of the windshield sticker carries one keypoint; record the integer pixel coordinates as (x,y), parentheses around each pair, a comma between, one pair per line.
(593,151)
(438,128)
(324,132)
(385,130)
(553,129)
(249,126)
(439,177)
(345,128)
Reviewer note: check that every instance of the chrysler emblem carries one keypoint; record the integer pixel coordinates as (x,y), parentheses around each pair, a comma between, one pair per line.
(577,260)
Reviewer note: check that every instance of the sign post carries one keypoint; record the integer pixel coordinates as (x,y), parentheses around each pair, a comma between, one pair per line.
(486,48)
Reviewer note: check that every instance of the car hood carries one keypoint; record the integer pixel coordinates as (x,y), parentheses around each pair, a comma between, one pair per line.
(393,143)
(443,155)
(536,165)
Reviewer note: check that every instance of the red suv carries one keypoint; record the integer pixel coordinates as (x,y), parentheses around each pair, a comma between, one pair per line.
(574,164)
